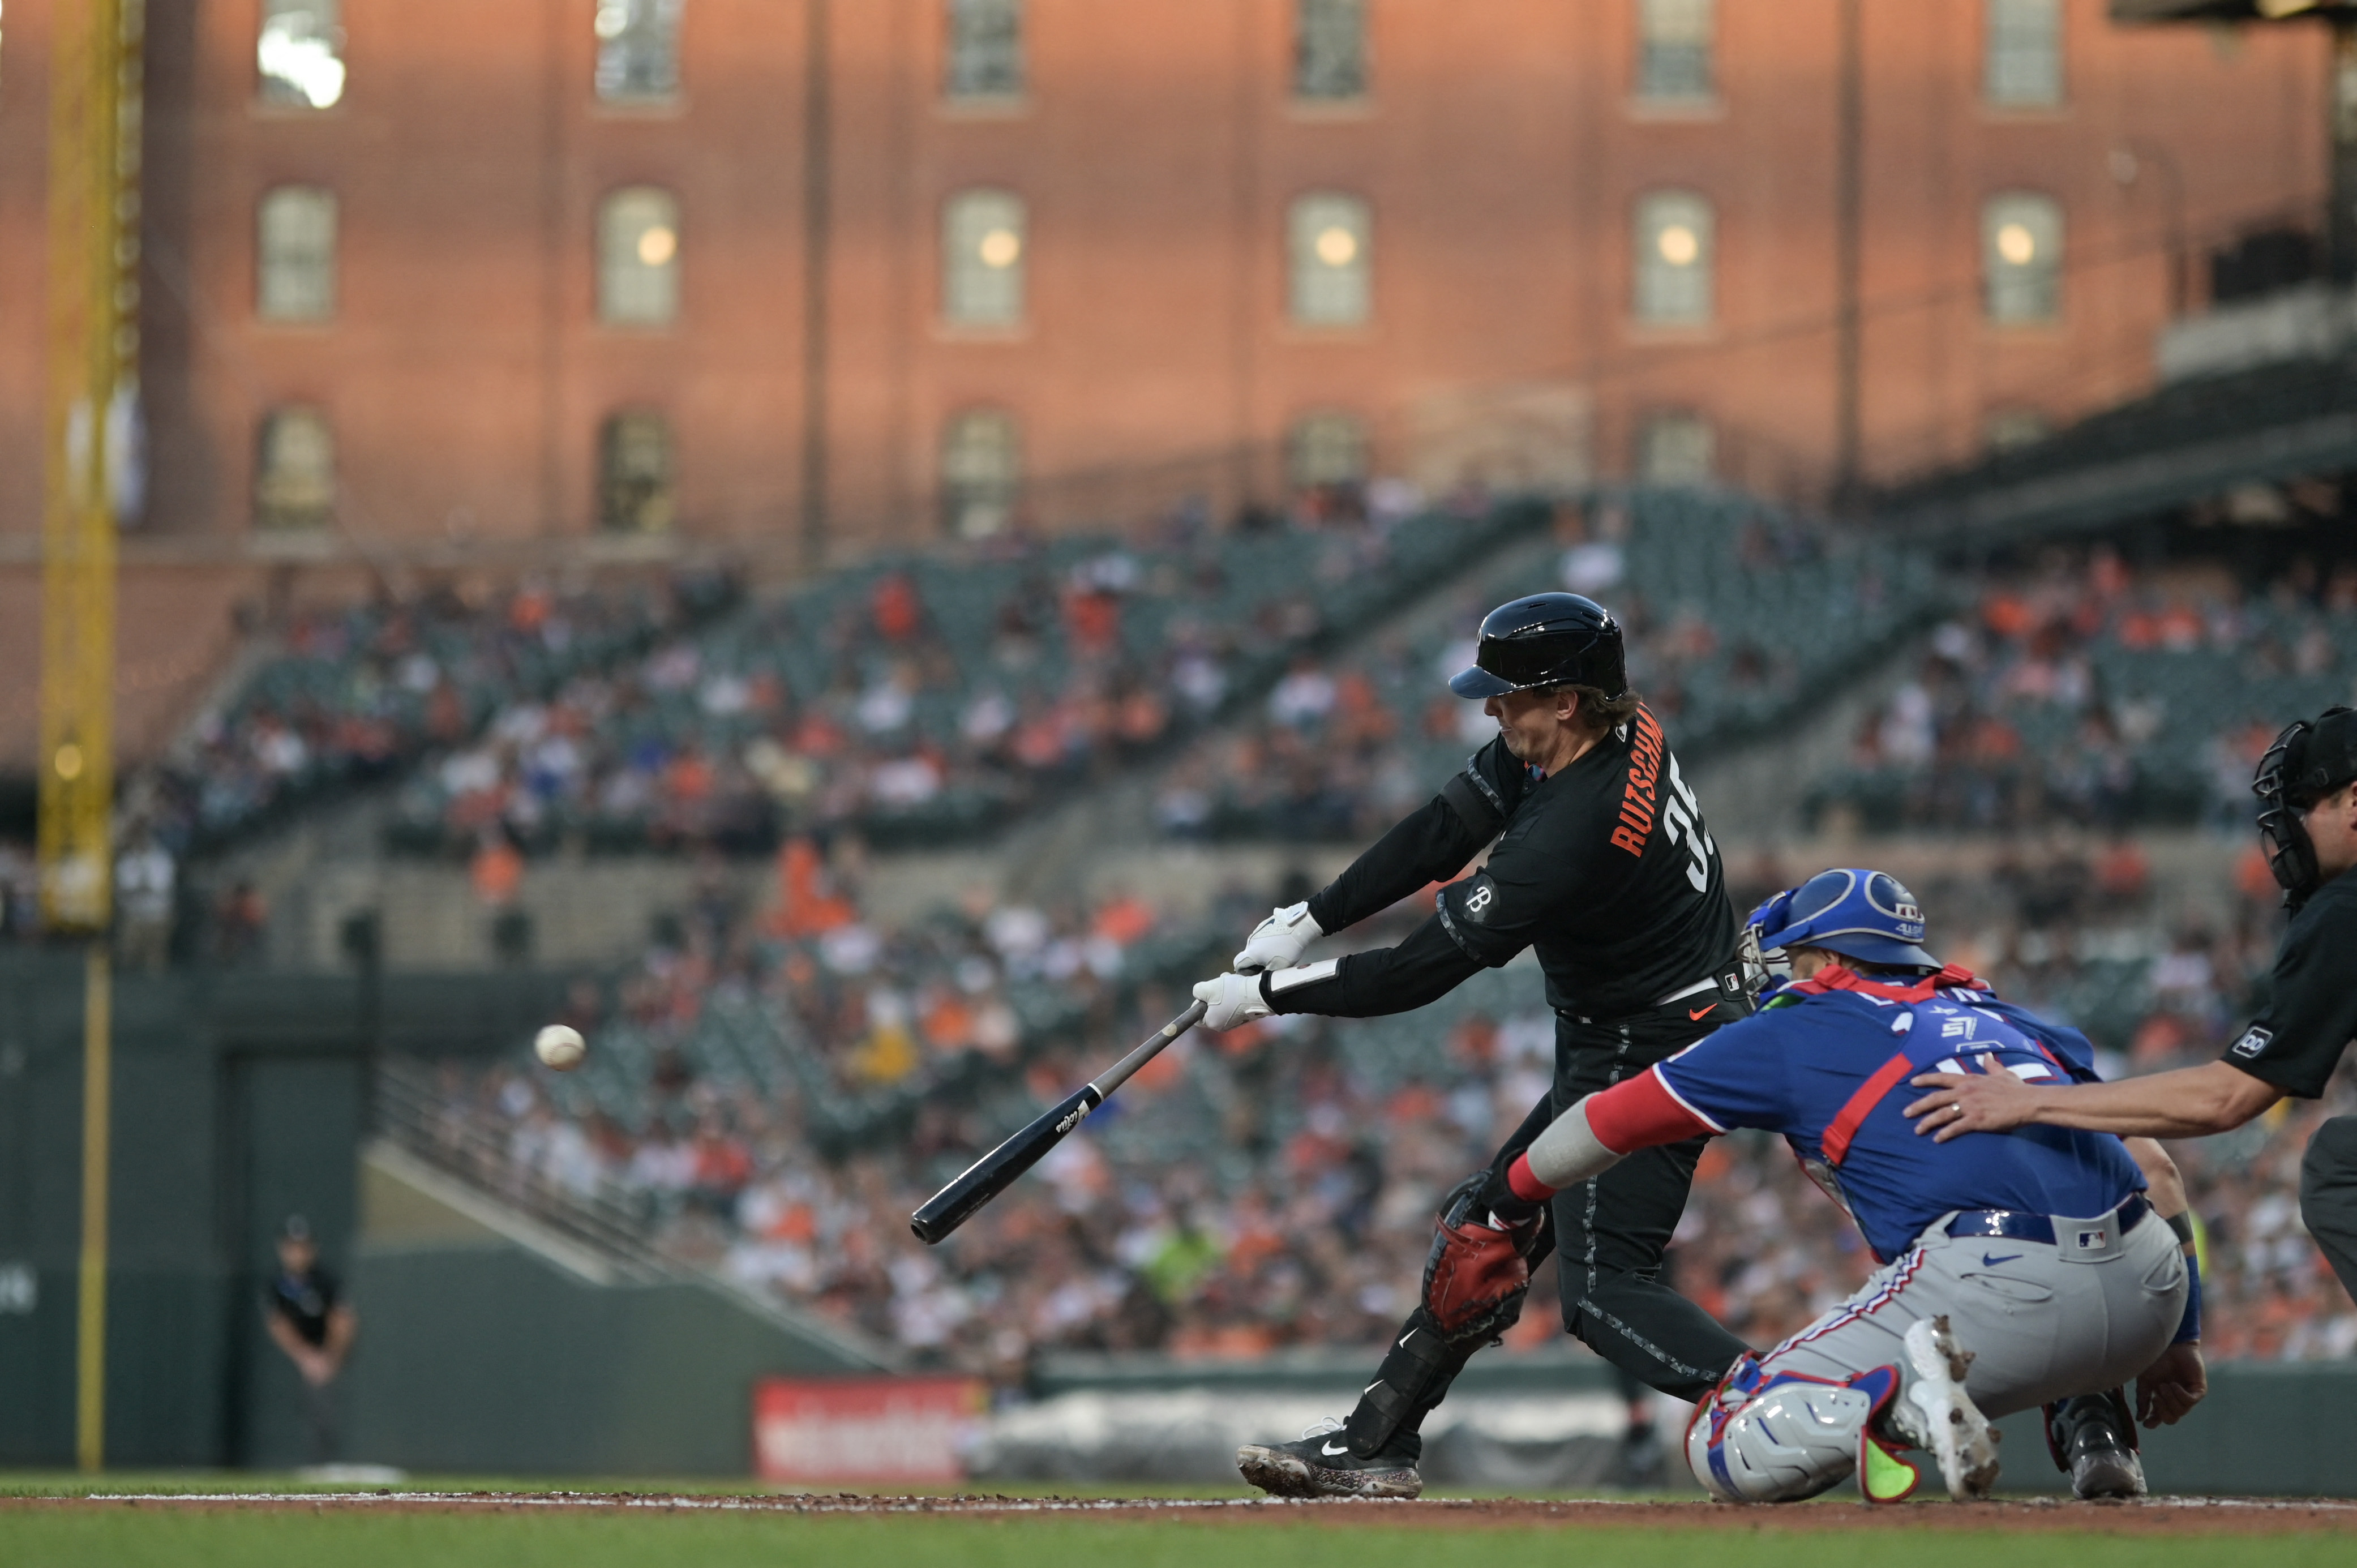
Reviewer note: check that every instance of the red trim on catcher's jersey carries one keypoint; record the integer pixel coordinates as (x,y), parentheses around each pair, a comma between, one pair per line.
(1844,1126)
(1639,1112)
(1835,977)
(1527,1187)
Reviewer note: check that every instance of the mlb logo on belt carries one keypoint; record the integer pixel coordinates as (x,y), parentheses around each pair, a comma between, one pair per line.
(2089,1241)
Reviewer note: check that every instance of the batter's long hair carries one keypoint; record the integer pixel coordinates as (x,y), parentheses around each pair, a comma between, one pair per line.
(1601,712)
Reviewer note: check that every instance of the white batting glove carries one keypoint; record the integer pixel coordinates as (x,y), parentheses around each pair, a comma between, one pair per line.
(1277,941)
(1230,1000)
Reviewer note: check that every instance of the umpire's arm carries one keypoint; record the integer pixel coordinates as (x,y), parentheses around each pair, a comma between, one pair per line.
(2191,1103)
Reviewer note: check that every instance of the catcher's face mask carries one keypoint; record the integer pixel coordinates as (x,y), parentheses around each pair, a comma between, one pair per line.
(2293,775)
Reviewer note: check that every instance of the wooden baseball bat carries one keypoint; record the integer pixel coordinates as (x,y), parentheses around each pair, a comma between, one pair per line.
(995,1171)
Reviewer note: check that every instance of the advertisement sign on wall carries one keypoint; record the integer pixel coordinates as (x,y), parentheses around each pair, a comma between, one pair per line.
(865,1429)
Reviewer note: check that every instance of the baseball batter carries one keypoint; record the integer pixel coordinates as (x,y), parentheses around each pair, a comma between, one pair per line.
(1601,865)
(2019,1271)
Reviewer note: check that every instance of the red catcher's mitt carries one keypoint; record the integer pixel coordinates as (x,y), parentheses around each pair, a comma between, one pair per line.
(1476,1277)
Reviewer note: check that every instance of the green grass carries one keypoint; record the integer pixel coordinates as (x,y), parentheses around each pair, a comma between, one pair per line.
(155,1538)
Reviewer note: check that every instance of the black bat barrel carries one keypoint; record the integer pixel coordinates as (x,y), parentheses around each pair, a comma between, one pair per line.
(995,1171)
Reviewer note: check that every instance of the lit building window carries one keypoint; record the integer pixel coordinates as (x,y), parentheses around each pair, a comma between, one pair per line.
(981,472)
(985,50)
(1673,49)
(294,276)
(1329,49)
(637,50)
(295,470)
(1327,237)
(983,260)
(1674,236)
(300,52)
(2021,257)
(634,473)
(638,257)
(1676,449)
(1326,449)
(2023,65)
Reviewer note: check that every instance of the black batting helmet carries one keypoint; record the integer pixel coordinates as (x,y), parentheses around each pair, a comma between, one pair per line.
(1543,641)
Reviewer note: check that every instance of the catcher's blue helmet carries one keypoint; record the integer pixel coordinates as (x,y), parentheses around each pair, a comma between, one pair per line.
(1857,913)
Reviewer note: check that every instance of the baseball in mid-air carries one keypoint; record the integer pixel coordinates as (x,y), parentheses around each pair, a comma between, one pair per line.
(560,1045)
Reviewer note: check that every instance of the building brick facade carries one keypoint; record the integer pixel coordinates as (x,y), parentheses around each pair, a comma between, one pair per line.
(1501,149)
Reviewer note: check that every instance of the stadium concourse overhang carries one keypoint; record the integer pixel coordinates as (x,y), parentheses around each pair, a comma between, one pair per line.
(2222,10)
(2340,103)
(2189,443)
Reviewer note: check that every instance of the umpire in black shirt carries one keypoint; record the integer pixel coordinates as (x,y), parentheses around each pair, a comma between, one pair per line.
(311,1320)
(2307,786)
(1603,866)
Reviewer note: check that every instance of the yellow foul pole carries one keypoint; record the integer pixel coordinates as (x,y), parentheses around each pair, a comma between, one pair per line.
(89,471)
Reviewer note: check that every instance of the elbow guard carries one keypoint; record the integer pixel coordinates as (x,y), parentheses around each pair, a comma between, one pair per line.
(1476,804)
(1569,1151)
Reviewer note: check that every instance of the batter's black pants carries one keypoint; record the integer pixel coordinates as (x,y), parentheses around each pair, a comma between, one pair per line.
(2328,1195)
(1611,1233)
(1610,1237)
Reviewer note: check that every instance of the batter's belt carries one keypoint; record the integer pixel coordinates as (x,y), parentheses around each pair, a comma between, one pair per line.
(1724,988)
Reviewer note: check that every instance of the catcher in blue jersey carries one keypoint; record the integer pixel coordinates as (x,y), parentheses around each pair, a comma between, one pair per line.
(2041,1266)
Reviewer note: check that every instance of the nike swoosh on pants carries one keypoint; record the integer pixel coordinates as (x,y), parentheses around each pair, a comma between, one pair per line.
(1694,1013)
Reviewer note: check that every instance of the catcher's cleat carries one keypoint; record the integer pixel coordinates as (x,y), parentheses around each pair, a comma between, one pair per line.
(2092,1440)
(1322,1465)
(1935,1413)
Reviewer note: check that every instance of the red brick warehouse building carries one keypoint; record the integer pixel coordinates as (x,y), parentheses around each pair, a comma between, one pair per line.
(435,275)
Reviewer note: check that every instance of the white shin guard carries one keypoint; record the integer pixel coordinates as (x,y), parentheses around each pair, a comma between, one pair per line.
(1793,1441)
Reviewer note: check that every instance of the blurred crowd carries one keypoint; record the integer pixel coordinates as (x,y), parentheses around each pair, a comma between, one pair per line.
(699,744)
(1243,1192)
(921,700)
(2081,691)
(1730,609)
(1275,1185)
(344,696)
(775,1084)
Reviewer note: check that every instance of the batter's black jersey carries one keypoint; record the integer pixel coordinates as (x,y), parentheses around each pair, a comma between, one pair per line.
(1605,868)
(2297,1039)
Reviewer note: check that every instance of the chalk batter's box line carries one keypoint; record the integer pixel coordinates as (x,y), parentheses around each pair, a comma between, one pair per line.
(807,1503)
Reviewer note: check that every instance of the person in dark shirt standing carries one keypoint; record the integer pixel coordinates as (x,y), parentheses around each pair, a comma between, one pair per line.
(1601,865)
(309,1319)
(2307,786)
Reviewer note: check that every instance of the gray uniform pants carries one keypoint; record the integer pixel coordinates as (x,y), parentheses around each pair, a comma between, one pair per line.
(2043,1319)
(2328,1195)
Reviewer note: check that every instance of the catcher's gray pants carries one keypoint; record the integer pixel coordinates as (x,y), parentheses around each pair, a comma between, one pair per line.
(2044,1320)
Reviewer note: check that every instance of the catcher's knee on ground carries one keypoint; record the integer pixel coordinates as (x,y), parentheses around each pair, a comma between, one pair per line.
(1779,1437)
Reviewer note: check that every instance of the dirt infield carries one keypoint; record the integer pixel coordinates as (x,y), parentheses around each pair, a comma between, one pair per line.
(2155,1516)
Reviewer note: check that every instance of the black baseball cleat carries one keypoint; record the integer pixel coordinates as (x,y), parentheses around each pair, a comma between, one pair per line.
(2088,1443)
(1322,1464)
